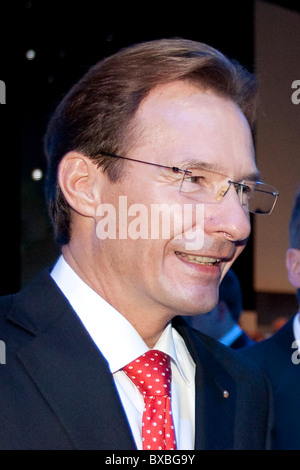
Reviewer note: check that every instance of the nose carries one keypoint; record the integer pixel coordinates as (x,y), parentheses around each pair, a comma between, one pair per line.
(228,218)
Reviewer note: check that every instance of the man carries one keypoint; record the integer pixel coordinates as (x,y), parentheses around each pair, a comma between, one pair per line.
(163,125)
(222,322)
(280,356)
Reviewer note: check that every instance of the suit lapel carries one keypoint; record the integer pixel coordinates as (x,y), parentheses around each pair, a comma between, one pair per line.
(69,371)
(214,412)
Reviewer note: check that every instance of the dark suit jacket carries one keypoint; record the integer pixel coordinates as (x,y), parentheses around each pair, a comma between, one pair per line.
(242,341)
(57,392)
(275,356)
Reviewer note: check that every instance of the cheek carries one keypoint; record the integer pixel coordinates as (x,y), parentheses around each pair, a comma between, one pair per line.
(141,258)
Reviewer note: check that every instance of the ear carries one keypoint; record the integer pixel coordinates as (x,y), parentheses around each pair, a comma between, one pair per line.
(77,176)
(292,262)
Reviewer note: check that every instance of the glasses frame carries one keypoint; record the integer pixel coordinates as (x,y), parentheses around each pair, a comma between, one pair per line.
(238,186)
(175,169)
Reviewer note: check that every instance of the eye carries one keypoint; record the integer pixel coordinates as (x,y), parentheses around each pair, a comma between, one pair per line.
(197,179)
(194,182)
(248,189)
(245,192)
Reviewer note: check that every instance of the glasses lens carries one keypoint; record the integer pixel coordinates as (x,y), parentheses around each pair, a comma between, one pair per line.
(201,185)
(263,199)
(210,187)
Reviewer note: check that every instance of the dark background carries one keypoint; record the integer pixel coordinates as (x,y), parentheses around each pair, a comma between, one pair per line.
(69,37)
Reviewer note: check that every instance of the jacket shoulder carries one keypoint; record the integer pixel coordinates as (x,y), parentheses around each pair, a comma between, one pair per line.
(236,364)
(35,305)
(280,343)
(6,302)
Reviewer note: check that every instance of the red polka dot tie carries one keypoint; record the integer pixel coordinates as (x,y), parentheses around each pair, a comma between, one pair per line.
(151,373)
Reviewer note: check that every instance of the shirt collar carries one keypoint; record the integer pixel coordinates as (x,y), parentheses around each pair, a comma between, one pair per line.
(167,344)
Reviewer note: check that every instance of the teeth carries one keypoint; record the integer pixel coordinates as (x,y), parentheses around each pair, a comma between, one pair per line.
(199,259)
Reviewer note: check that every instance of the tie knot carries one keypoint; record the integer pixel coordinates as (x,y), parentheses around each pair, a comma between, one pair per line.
(151,373)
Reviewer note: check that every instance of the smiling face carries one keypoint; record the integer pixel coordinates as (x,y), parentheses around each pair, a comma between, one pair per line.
(166,277)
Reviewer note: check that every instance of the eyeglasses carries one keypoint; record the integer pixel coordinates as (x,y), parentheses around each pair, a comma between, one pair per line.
(207,186)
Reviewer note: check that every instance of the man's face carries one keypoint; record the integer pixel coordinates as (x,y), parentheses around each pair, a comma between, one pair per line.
(180,123)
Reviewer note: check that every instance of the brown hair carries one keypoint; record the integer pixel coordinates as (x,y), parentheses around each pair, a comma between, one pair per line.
(98,112)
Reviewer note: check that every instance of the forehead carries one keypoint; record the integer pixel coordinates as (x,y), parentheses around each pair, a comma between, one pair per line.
(182,122)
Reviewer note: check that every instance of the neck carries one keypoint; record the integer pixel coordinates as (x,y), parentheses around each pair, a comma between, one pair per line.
(148,320)
(150,333)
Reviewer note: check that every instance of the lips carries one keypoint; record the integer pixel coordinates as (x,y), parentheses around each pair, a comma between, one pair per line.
(196,259)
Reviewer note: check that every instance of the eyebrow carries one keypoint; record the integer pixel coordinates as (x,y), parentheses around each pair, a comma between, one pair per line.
(215,167)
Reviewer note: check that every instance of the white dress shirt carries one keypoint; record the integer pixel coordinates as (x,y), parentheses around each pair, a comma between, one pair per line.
(120,344)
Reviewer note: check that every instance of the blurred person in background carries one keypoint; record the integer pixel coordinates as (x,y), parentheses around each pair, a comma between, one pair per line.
(279,355)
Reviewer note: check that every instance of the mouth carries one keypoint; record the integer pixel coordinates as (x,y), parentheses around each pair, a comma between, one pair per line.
(196,259)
